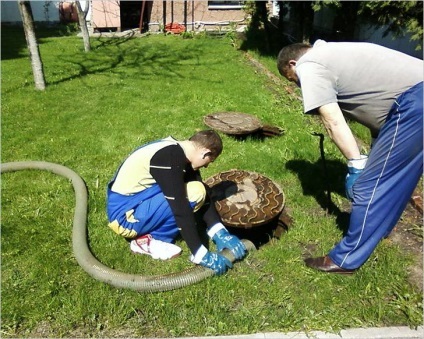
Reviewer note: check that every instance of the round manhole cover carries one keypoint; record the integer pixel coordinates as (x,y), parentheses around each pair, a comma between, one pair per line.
(234,123)
(245,199)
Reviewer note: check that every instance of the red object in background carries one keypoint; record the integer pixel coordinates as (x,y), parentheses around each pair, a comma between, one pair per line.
(175,28)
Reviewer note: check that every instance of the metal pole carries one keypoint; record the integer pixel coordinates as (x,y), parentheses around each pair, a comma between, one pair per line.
(192,15)
(140,26)
(164,14)
(324,164)
(185,14)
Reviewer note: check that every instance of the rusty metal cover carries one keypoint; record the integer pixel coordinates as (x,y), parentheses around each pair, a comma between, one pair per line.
(233,123)
(245,199)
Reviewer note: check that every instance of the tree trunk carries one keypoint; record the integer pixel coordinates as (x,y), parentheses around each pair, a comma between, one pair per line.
(262,13)
(34,53)
(308,22)
(345,21)
(82,14)
(282,11)
(303,15)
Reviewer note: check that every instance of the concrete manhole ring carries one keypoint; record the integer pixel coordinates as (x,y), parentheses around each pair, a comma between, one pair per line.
(233,123)
(245,199)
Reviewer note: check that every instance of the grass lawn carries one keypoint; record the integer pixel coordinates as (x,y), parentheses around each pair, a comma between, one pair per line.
(96,109)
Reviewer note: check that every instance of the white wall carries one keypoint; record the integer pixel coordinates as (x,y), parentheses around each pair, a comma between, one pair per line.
(41,10)
(400,44)
(324,20)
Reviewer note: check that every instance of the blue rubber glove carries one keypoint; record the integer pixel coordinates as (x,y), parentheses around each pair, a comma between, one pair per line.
(223,239)
(216,262)
(354,169)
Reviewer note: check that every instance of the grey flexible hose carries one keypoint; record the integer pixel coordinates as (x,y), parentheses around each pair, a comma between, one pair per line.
(87,260)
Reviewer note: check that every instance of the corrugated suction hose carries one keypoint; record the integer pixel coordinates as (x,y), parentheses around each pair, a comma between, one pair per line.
(87,260)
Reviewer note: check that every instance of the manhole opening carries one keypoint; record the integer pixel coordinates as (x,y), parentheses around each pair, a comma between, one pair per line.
(248,203)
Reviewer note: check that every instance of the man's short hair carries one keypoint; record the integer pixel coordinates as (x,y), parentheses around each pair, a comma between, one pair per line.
(209,139)
(290,52)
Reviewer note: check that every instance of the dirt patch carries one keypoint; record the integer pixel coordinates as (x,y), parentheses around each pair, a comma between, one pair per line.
(289,88)
(408,235)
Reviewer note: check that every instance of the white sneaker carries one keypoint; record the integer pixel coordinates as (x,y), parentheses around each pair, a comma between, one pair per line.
(157,249)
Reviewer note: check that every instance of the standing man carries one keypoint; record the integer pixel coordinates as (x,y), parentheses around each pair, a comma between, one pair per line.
(155,193)
(381,89)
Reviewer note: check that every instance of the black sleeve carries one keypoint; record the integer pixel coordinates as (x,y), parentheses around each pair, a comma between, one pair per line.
(168,167)
(209,213)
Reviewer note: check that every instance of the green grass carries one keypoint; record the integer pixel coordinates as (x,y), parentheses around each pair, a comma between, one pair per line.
(99,106)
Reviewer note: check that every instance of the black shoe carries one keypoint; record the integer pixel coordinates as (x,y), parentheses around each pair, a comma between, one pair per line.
(325,264)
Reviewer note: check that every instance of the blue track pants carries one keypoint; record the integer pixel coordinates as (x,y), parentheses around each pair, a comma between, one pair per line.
(382,191)
(148,212)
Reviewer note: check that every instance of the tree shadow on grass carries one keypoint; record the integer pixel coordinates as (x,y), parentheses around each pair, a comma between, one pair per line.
(13,43)
(110,56)
(319,181)
(124,56)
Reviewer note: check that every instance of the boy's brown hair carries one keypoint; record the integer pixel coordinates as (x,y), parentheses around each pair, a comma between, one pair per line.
(208,139)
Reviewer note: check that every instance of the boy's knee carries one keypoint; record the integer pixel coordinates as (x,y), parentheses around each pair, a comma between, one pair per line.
(196,194)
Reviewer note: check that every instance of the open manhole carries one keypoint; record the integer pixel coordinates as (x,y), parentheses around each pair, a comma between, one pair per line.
(237,123)
(245,199)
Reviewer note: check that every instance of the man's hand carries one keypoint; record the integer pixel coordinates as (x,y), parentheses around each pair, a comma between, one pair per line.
(223,239)
(354,170)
